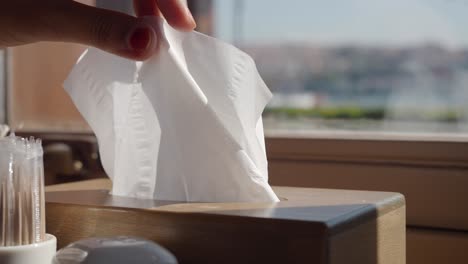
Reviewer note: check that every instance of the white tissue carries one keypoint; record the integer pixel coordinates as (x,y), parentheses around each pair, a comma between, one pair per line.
(184,126)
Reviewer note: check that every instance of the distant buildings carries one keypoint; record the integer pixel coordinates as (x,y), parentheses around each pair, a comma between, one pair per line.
(360,75)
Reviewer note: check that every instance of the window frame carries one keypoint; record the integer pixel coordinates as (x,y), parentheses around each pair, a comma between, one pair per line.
(3,86)
(369,147)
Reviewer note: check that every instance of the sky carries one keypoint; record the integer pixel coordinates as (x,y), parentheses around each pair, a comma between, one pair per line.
(371,22)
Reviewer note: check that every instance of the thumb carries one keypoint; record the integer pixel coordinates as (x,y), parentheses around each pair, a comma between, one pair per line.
(117,33)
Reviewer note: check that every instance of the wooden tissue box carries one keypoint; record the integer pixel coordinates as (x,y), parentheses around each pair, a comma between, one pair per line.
(307,226)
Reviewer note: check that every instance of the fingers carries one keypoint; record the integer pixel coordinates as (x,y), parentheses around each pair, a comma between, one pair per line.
(114,32)
(146,8)
(28,21)
(175,11)
(177,14)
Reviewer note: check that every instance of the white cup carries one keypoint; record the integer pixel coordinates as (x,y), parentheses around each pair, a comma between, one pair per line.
(38,253)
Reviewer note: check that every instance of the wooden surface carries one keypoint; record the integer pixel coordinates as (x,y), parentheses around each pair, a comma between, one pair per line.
(38,101)
(432,246)
(308,225)
(431,174)
(36,98)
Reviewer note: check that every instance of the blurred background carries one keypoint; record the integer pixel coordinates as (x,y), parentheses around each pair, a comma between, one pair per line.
(393,66)
(359,65)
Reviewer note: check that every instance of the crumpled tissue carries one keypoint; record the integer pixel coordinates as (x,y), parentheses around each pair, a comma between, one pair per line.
(184,125)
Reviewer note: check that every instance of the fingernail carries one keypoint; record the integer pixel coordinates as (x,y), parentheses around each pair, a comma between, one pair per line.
(141,39)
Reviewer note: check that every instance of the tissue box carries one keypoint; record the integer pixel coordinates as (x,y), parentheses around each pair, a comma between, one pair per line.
(306,226)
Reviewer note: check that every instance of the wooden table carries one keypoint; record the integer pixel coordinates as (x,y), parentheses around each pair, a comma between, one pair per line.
(307,226)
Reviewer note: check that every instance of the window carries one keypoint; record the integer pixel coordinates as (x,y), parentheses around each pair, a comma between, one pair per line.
(359,65)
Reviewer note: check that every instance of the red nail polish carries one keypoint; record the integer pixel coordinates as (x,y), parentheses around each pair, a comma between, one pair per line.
(140,39)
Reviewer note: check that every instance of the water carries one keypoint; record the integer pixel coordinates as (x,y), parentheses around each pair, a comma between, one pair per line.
(362,125)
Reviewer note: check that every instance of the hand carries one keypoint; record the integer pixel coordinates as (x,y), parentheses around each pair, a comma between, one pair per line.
(29,21)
